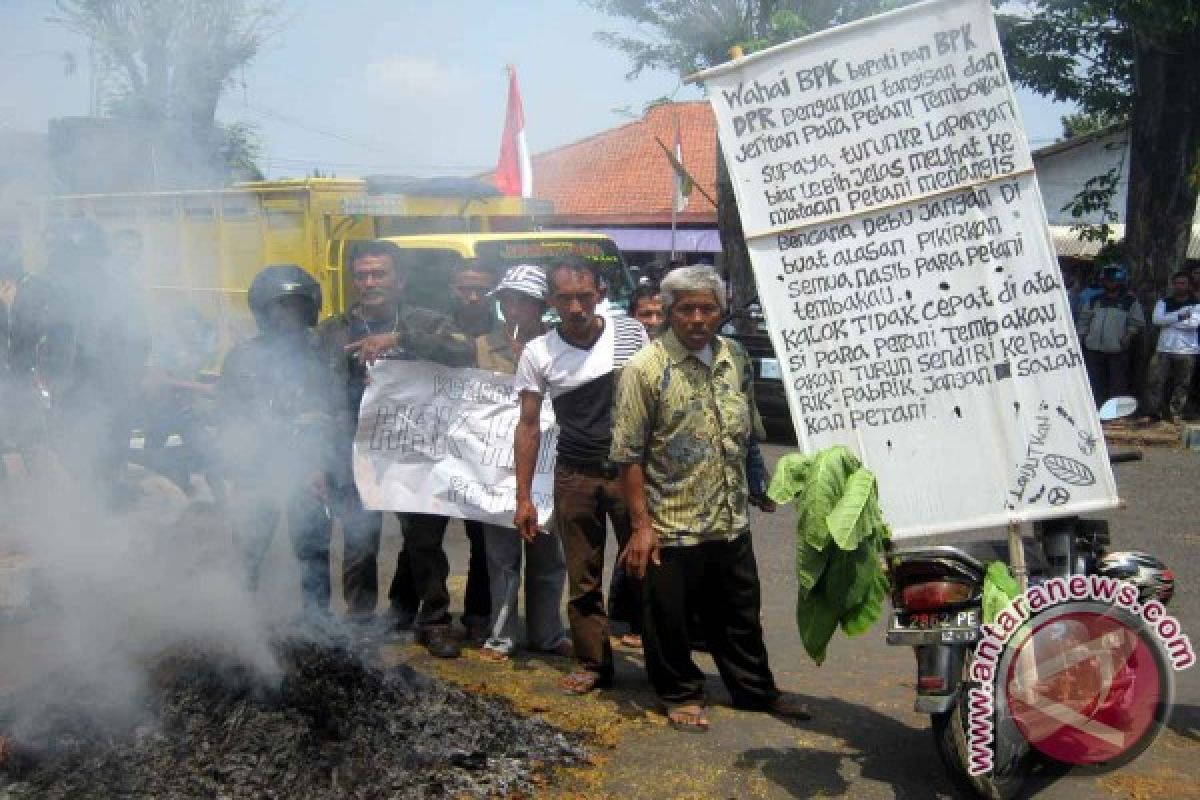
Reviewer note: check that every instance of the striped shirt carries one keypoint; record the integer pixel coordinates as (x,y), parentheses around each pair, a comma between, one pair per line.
(580,383)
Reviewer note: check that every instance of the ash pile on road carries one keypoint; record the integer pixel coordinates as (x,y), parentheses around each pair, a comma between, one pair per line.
(330,727)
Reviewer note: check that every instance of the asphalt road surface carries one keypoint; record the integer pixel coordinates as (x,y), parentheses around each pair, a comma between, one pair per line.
(865,741)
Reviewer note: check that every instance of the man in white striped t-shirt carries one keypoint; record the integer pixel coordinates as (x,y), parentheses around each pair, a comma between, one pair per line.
(575,366)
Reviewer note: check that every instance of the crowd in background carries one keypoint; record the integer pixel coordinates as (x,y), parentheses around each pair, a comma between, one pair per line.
(1129,352)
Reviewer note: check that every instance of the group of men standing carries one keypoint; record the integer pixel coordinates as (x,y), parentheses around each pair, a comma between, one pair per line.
(653,441)
(657,427)
(1109,319)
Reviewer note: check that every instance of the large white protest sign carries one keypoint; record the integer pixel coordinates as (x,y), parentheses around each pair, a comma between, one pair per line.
(906,271)
(439,440)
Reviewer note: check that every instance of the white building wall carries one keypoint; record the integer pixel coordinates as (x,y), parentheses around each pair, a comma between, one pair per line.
(1061,175)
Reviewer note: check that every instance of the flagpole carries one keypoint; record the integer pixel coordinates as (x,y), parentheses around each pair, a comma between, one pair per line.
(680,168)
(674,196)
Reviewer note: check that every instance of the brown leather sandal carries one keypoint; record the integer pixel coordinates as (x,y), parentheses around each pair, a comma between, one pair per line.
(688,718)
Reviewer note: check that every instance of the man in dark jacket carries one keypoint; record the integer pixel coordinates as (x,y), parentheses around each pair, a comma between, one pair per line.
(379,325)
(277,410)
(473,310)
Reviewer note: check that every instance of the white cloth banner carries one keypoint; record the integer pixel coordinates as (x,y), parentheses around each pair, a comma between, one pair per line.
(439,440)
(906,270)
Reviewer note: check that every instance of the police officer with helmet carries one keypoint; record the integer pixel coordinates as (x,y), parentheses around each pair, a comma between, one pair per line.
(277,406)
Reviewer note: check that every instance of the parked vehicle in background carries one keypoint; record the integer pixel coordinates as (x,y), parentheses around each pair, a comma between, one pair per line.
(197,250)
(433,258)
(748,327)
(191,255)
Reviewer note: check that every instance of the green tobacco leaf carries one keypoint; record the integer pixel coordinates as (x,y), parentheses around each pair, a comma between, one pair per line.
(850,520)
(850,575)
(810,566)
(791,473)
(859,619)
(816,621)
(999,588)
(822,491)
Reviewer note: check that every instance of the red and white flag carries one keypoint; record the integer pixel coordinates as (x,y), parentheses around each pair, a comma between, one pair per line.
(514,171)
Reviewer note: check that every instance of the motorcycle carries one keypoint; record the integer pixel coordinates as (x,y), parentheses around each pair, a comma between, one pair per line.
(937,610)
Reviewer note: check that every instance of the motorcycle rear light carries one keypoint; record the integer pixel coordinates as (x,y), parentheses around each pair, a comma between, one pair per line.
(931,683)
(933,595)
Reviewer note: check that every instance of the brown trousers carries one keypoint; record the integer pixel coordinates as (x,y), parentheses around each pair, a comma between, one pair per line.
(583,501)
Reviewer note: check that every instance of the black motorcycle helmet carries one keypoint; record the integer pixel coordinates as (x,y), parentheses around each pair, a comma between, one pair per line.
(275,282)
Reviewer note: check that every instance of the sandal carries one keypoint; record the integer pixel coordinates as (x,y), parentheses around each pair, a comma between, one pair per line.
(494,656)
(789,706)
(580,682)
(688,719)
(631,640)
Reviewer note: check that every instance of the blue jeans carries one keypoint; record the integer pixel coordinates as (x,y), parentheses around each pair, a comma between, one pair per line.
(545,577)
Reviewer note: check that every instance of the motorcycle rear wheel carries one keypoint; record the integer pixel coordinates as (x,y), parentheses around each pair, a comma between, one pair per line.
(1013,758)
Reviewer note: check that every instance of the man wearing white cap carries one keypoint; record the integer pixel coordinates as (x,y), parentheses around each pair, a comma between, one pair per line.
(520,295)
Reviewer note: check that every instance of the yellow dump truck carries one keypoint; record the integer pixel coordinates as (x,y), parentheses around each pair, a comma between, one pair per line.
(195,252)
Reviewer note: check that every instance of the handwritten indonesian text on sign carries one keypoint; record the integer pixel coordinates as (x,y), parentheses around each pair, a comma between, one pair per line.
(906,271)
(439,440)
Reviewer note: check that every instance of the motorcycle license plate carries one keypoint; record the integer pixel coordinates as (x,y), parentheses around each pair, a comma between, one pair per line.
(961,625)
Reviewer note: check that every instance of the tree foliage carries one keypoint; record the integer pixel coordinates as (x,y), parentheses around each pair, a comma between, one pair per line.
(684,36)
(1135,60)
(166,63)
(1083,123)
(240,150)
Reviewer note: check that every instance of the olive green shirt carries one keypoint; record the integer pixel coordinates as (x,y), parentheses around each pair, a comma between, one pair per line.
(494,351)
(688,425)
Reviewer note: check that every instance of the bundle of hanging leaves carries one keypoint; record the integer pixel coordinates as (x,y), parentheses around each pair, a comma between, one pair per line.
(840,542)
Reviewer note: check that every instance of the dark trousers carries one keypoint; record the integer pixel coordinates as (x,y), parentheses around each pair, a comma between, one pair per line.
(423,537)
(361,531)
(625,597)
(720,579)
(583,501)
(309,529)
(1109,374)
(1171,371)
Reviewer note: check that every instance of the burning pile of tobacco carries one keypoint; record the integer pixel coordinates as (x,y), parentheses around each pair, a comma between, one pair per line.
(332,726)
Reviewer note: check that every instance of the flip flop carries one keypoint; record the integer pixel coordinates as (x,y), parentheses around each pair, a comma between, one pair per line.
(688,719)
(580,683)
(493,656)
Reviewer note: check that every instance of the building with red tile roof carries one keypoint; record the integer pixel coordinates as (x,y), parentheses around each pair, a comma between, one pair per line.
(620,182)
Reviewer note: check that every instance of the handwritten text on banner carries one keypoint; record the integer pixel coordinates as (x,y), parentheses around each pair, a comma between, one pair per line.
(906,271)
(439,440)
